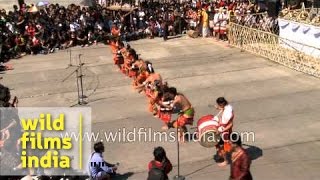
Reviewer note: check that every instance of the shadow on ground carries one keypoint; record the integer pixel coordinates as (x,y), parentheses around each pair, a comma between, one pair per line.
(123,176)
(253,151)
(198,170)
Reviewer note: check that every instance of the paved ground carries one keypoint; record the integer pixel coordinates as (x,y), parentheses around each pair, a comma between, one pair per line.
(280,105)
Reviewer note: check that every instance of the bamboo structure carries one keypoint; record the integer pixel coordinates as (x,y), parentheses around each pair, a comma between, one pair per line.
(309,16)
(268,45)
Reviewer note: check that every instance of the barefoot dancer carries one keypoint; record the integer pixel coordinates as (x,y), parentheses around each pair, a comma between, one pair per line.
(185,116)
(154,93)
(149,82)
(130,58)
(145,69)
(165,98)
(119,59)
(225,119)
(113,46)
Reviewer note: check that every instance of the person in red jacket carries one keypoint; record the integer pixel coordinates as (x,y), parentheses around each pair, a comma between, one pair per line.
(160,161)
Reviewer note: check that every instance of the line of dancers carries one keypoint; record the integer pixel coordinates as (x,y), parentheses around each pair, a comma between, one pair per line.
(163,100)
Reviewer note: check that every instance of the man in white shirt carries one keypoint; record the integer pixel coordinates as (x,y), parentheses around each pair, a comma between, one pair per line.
(141,15)
(74,26)
(225,120)
(220,22)
(98,168)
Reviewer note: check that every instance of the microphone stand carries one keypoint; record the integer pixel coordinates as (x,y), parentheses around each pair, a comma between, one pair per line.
(69,52)
(79,76)
(178,177)
(81,82)
(78,88)
(70,58)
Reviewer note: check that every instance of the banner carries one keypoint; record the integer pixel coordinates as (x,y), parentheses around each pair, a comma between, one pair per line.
(301,37)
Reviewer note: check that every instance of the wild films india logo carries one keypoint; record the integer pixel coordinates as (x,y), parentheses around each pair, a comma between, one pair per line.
(42,150)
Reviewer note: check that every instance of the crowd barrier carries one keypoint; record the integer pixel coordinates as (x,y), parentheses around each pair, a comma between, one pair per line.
(270,46)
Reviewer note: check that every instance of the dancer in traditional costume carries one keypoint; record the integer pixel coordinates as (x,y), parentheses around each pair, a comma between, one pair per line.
(151,77)
(164,113)
(153,92)
(129,69)
(225,120)
(145,68)
(119,59)
(115,31)
(153,86)
(125,52)
(186,113)
(113,46)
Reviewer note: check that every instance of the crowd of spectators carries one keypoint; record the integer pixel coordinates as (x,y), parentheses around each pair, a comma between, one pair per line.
(46,29)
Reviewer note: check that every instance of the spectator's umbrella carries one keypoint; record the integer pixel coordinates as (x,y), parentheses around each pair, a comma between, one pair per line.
(42,3)
(33,9)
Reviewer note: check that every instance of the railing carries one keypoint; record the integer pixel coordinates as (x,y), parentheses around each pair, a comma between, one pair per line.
(260,21)
(268,45)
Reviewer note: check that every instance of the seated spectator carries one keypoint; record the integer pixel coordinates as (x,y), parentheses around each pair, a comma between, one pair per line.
(55,26)
(82,39)
(53,42)
(36,46)
(73,40)
(20,44)
(99,169)
(160,164)
(30,30)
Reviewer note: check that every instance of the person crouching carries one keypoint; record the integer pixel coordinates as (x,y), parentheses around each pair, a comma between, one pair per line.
(99,169)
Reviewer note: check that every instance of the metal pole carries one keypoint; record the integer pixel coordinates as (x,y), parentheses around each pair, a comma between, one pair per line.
(178,148)
(81,80)
(77,73)
(178,177)
(70,63)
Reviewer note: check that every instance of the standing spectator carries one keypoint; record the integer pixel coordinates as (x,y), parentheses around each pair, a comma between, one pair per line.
(205,22)
(102,2)
(165,30)
(240,165)
(160,167)
(141,15)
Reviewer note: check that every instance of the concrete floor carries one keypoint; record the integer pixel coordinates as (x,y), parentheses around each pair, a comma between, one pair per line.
(279,105)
